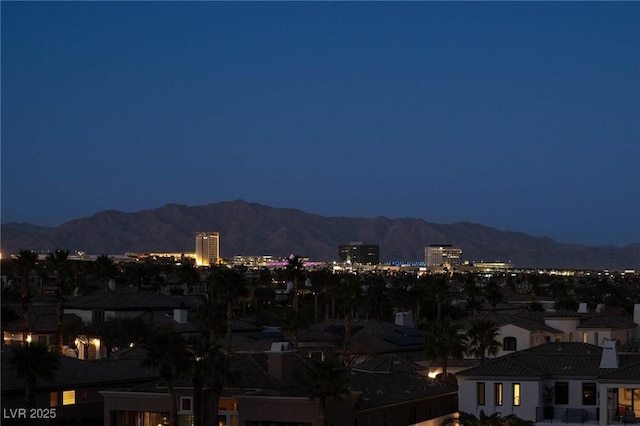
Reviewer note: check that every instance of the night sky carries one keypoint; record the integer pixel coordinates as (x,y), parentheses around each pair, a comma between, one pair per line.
(520,116)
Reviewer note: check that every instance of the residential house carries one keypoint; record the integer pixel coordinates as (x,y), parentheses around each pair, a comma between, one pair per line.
(269,391)
(568,382)
(74,392)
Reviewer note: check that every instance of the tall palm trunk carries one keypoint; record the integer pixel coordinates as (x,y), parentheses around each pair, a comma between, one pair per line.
(25,307)
(229,326)
(322,411)
(212,401)
(347,336)
(173,414)
(60,322)
(197,400)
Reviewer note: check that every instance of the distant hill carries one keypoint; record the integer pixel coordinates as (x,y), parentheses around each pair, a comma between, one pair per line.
(254,229)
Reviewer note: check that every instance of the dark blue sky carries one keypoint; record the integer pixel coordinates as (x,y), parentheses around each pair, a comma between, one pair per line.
(520,116)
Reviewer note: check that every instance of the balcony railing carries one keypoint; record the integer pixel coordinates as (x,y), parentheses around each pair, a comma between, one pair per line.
(567,415)
(584,416)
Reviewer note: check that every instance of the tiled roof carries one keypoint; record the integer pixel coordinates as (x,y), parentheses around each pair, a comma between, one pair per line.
(557,359)
(125,299)
(386,364)
(368,336)
(384,389)
(380,387)
(628,372)
(606,321)
(42,320)
(534,321)
(79,373)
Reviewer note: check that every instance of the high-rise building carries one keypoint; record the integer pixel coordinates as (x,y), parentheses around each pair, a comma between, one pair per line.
(207,248)
(441,254)
(356,252)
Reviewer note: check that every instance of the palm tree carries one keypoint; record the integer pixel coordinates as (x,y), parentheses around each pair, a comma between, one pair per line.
(31,363)
(495,419)
(166,352)
(323,381)
(439,290)
(58,259)
(210,313)
(188,273)
(494,295)
(105,269)
(348,293)
(25,262)
(209,368)
(444,339)
(293,322)
(294,266)
(483,338)
(229,284)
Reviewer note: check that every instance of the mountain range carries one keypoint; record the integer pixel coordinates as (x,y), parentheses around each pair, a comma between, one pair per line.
(254,229)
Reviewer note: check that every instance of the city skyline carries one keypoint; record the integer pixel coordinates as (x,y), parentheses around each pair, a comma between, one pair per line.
(518,116)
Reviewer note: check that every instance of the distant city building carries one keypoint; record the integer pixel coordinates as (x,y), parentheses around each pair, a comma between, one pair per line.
(207,248)
(356,252)
(442,254)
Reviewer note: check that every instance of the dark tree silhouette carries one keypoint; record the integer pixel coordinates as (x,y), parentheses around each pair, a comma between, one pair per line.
(25,263)
(325,380)
(32,362)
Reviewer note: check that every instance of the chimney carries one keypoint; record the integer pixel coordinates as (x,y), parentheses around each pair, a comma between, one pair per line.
(280,361)
(582,308)
(180,315)
(609,355)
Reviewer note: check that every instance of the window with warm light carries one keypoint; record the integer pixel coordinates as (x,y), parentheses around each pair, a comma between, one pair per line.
(69,397)
(498,393)
(589,394)
(516,394)
(53,399)
(480,390)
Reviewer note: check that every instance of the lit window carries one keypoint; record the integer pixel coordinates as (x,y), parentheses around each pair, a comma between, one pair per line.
(498,393)
(516,394)
(589,394)
(480,393)
(53,399)
(585,338)
(69,397)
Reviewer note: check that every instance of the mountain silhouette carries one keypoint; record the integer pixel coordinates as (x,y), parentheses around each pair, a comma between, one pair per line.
(253,229)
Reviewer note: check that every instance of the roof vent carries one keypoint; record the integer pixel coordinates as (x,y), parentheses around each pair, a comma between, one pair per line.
(609,355)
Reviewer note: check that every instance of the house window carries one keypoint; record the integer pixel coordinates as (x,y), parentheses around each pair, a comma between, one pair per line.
(69,397)
(498,393)
(42,340)
(516,394)
(53,399)
(596,338)
(547,339)
(562,393)
(585,337)
(510,344)
(480,393)
(589,394)
(97,316)
(185,405)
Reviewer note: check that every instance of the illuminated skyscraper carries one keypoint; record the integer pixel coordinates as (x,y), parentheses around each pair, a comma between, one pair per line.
(438,255)
(207,248)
